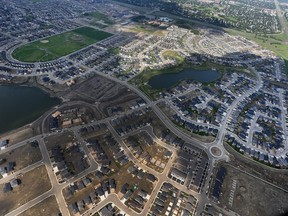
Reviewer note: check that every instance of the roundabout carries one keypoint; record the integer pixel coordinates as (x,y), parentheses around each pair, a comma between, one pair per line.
(215,151)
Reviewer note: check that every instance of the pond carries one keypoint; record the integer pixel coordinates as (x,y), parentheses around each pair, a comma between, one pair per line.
(21,105)
(167,80)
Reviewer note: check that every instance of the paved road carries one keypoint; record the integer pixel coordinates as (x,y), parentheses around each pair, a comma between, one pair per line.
(167,122)
(19,172)
(17,145)
(162,177)
(223,130)
(57,188)
(111,198)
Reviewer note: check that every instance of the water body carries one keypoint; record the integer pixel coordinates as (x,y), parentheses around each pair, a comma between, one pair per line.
(21,105)
(170,79)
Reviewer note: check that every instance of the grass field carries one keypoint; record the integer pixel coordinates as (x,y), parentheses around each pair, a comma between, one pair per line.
(174,55)
(142,28)
(59,45)
(278,43)
(97,16)
(274,42)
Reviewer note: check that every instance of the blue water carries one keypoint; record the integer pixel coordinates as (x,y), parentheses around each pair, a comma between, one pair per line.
(21,105)
(170,79)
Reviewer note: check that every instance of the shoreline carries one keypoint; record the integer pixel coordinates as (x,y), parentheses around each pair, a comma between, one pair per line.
(33,84)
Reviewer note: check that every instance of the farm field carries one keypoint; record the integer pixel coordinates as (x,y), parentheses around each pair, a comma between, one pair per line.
(59,45)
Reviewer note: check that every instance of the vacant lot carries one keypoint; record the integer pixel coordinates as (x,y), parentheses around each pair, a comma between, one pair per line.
(100,89)
(97,16)
(59,139)
(248,195)
(170,54)
(276,176)
(59,45)
(18,136)
(22,156)
(33,184)
(48,206)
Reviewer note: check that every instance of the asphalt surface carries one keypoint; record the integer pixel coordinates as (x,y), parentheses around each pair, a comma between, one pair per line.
(162,177)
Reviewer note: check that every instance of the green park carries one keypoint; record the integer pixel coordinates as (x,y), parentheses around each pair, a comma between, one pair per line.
(56,46)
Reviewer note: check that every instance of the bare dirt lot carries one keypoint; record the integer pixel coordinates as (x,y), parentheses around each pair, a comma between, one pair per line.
(276,176)
(49,206)
(93,90)
(98,90)
(18,136)
(33,184)
(59,139)
(248,195)
(22,157)
(216,151)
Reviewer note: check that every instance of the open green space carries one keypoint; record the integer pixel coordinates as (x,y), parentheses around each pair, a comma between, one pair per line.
(174,55)
(278,43)
(274,42)
(143,28)
(97,16)
(59,45)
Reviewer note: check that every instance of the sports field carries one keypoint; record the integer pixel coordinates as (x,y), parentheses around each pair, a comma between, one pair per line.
(58,45)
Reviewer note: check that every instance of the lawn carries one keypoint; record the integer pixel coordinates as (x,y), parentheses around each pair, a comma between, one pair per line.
(142,28)
(97,16)
(59,45)
(274,42)
(174,55)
